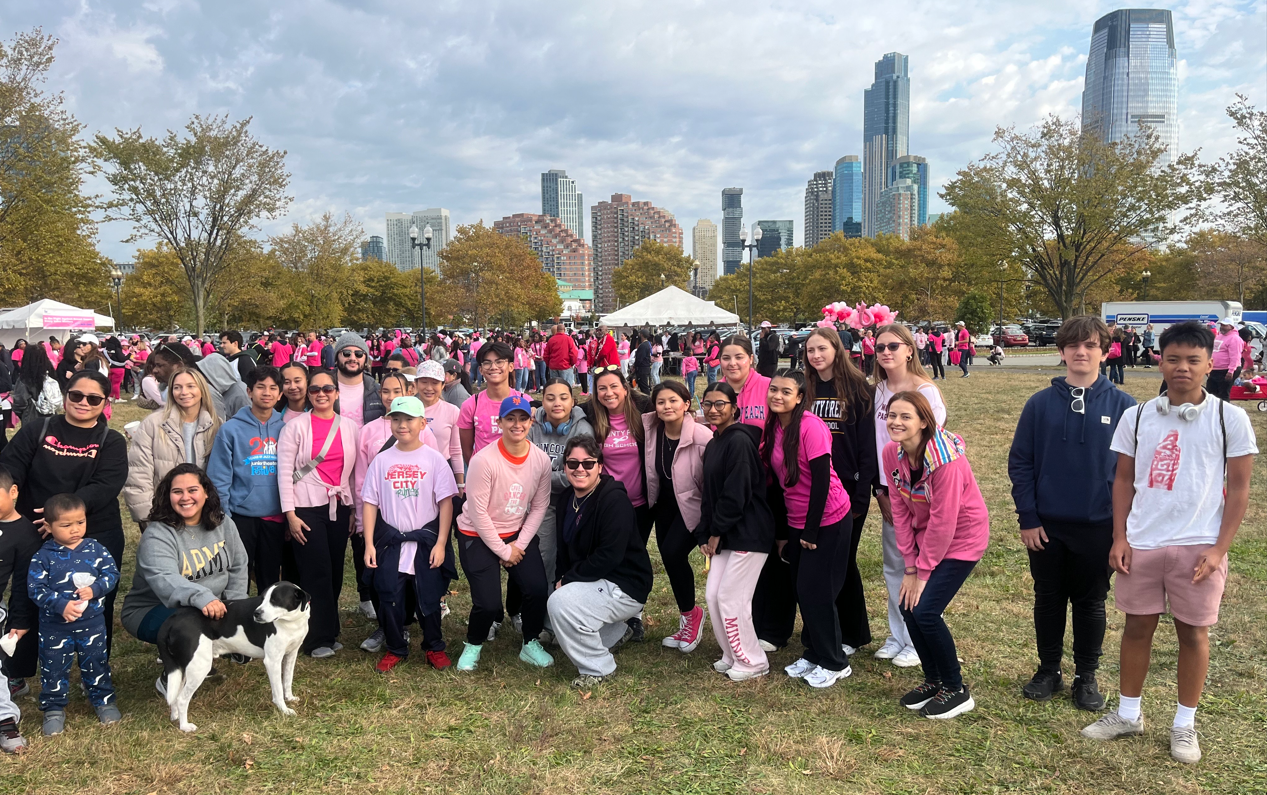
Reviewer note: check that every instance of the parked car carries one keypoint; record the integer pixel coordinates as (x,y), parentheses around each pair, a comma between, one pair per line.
(1010,336)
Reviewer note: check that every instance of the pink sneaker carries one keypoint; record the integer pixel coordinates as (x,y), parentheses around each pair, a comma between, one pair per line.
(692,630)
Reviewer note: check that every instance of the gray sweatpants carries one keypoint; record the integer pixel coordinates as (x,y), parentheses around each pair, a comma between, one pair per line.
(588,619)
(8,710)
(894,569)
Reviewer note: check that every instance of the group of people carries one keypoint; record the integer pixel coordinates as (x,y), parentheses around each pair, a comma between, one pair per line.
(771,481)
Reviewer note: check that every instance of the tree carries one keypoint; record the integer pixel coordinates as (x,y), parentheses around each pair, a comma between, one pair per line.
(1226,264)
(653,266)
(975,312)
(1240,174)
(381,296)
(320,256)
(197,193)
(155,290)
(1070,208)
(488,277)
(918,274)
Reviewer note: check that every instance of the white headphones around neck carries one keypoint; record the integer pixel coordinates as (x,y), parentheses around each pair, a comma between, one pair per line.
(1187,412)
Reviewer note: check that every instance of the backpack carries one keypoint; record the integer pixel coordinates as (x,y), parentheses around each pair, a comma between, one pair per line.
(49,401)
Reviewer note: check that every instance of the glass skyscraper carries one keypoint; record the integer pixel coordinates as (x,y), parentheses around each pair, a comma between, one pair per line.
(886,130)
(775,236)
(560,199)
(914,168)
(846,207)
(731,223)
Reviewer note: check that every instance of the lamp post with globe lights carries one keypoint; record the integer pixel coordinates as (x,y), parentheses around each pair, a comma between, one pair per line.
(421,244)
(116,279)
(743,240)
(1145,276)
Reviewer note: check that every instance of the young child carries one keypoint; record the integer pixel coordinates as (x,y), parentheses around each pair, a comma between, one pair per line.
(19,541)
(407,514)
(68,580)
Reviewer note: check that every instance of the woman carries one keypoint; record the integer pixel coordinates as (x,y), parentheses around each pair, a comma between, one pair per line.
(408,351)
(477,422)
(963,344)
(539,362)
(751,387)
(657,359)
(181,433)
(868,352)
(796,449)
(1148,341)
(439,353)
(140,355)
(582,367)
(35,392)
(899,371)
(736,532)
(623,349)
(19,351)
(937,359)
(523,364)
(557,422)
(315,458)
(295,391)
(189,556)
(690,371)
(1114,358)
(842,399)
(712,358)
(943,529)
(117,361)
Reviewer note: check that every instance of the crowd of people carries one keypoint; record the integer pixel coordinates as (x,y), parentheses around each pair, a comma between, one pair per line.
(264,461)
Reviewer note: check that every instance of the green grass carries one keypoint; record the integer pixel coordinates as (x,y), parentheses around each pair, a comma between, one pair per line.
(666,723)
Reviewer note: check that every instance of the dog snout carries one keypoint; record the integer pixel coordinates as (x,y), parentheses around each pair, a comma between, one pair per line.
(259,616)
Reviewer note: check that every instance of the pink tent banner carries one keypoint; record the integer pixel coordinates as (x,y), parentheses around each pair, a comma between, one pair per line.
(72,320)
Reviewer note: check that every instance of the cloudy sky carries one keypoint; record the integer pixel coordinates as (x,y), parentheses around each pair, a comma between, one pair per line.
(397,106)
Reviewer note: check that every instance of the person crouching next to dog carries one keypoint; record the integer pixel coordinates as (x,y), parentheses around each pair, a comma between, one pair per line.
(406,515)
(68,580)
(190,555)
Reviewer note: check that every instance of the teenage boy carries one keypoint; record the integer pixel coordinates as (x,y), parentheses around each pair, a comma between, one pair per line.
(231,348)
(408,510)
(1180,493)
(1062,471)
(243,468)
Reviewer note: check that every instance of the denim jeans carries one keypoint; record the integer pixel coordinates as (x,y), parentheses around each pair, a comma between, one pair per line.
(541,374)
(929,634)
(690,382)
(521,379)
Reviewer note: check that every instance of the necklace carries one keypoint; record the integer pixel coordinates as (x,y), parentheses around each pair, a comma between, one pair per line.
(576,504)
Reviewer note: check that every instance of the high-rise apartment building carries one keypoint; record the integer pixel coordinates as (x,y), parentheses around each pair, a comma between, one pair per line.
(897,212)
(886,127)
(914,168)
(704,250)
(398,244)
(560,199)
(618,227)
(1132,77)
(846,203)
(563,255)
(775,236)
(731,223)
(373,249)
(818,207)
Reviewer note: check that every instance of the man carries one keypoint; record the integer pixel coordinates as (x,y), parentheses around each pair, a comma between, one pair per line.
(561,355)
(243,468)
(642,363)
(313,351)
(1179,496)
(1228,347)
(227,389)
(328,359)
(921,343)
(603,350)
(454,391)
(1061,449)
(963,343)
(278,350)
(231,348)
(359,400)
(768,349)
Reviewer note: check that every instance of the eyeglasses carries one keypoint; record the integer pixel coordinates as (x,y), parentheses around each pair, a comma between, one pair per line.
(1079,404)
(574,465)
(490,364)
(328,389)
(607,368)
(892,347)
(710,405)
(75,396)
(350,352)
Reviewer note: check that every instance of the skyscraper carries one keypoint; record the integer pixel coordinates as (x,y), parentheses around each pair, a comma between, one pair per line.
(731,223)
(886,127)
(563,255)
(1132,77)
(373,249)
(775,236)
(846,204)
(914,168)
(618,227)
(818,208)
(898,209)
(704,250)
(400,251)
(559,199)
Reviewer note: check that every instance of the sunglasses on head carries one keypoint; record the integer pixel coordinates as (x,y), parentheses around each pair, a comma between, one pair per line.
(75,396)
(574,465)
(607,368)
(316,389)
(349,353)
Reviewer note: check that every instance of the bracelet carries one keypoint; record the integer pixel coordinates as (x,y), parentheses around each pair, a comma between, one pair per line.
(911,570)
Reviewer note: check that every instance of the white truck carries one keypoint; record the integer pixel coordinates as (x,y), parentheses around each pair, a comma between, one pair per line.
(1164,314)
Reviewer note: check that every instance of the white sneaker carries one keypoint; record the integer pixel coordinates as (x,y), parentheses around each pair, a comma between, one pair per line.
(492,631)
(367,610)
(743,676)
(444,608)
(908,658)
(720,666)
(848,650)
(820,677)
(800,668)
(767,646)
(889,650)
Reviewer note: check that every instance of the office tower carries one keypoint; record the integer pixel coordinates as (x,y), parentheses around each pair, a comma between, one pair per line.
(1132,78)
(886,122)
(373,249)
(846,203)
(897,212)
(775,236)
(704,250)
(618,227)
(818,208)
(914,168)
(564,255)
(559,199)
(731,223)
(398,244)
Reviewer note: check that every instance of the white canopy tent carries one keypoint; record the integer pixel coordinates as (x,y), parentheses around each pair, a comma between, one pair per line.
(48,318)
(672,306)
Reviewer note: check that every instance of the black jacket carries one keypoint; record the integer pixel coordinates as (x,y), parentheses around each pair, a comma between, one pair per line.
(853,453)
(606,544)
(734,496)
(19,541)
(244,361)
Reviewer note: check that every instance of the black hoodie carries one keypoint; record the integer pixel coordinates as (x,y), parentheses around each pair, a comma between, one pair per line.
(734,495)
(605,544)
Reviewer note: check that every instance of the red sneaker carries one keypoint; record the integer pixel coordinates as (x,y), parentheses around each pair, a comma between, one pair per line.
(388,662)
(438,659)
(692,630)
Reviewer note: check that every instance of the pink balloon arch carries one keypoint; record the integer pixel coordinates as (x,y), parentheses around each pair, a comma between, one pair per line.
(857,317)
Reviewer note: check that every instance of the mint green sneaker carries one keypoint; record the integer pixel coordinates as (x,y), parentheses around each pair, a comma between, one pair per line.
(470,658)
(533,654)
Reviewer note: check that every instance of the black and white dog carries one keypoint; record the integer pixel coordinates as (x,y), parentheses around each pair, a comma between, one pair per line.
(272,626)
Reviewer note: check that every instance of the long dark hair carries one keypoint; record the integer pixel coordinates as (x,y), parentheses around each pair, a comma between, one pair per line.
(35,365)
(852,389)
(791,434)
(162,510)
(602,423)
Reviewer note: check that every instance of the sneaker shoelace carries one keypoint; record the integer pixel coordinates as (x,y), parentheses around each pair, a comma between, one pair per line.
(683,629)
(944,696)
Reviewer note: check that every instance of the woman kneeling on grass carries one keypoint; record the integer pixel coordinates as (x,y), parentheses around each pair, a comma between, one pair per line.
(942,531)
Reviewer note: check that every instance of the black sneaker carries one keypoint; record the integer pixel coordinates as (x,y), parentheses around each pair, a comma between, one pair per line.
(639,634)
(18,688)
(947,704)
(1043,685)
(1086,693)
(921,695)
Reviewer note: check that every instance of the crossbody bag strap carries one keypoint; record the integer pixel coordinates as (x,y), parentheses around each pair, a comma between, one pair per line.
(1139,412)
(308,468)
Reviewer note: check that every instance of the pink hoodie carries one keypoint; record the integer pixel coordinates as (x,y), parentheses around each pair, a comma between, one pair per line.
(753,399)
(294,449)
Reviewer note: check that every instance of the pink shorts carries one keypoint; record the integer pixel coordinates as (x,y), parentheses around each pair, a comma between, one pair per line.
(1161,575)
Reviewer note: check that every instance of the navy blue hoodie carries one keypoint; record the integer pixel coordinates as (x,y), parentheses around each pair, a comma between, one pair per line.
(1061,466)
(243,465)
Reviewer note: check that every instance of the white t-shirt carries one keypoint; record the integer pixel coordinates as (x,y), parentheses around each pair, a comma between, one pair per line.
(406,487)
(1179,472)
(882,398)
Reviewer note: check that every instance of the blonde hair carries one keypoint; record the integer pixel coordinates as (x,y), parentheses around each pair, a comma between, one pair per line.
(206,403)
(912,363)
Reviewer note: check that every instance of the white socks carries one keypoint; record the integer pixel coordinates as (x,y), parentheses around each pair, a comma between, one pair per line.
(1128,708)
(1185,717)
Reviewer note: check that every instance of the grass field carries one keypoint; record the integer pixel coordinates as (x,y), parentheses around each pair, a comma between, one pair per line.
(668,724)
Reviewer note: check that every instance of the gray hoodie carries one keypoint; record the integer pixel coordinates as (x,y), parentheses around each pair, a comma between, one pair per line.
(227,390)
(185,567)
(553,442)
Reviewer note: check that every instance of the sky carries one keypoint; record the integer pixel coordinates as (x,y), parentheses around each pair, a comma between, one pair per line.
(399,106)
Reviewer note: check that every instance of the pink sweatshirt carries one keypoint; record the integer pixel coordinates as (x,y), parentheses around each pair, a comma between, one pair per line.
(294,449)
(369,441)
(753,399)
(442,421)
(504,498)
(943,515)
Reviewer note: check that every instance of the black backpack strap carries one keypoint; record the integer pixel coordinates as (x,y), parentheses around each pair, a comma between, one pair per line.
(390,443)
(1139,413)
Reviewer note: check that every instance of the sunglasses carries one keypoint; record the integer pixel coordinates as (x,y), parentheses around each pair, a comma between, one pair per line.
(1079,404)
(394,369)
(607,368)
(75,396)
(329,389)
(710,405)
(892,347)
(348,354)
(574,465)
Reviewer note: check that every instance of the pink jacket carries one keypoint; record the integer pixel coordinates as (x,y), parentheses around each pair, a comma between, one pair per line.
(943,515)
(687,466)
(369,441)
(294,449)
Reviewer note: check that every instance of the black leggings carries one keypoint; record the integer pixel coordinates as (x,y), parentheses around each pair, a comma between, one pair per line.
(320,564)
(820,575)
(265,543)
(483,570)
(851,604)
(934,359)
(675,543)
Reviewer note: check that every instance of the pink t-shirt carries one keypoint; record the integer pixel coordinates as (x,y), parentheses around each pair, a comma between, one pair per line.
(523,359)
(505,497)
(753,399)
(352,402)
(407,487)
(280,357)
(479,412)
(312,354)
(623,460)
(815,442)
(207,348)
(442,421)
(331,469)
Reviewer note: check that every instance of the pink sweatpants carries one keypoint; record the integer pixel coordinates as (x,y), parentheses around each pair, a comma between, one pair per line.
(731,580)
(116,381)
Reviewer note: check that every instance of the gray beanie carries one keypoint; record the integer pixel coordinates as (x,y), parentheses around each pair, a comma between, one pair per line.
(350,339)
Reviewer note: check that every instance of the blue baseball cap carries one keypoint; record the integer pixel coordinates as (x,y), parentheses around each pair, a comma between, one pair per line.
(515,403)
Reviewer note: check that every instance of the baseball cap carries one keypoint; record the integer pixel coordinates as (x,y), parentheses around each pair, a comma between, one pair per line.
(407,405)
(432,370)
(410,373)
(765,324)
(452,366)
(1227,321)
(515,403)
(84,339)
(960,323)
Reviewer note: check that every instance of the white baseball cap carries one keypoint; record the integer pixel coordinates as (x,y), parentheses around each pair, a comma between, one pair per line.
(84,339)
(431,369)
(1227,321)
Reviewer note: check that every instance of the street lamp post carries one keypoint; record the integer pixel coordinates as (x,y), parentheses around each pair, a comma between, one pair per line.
(1146,275)
(743,240)
(424,243)
(116,279)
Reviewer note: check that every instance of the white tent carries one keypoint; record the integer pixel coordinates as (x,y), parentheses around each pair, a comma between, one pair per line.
(48,318)
(672,306)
